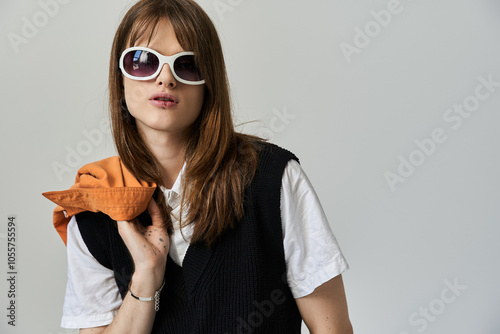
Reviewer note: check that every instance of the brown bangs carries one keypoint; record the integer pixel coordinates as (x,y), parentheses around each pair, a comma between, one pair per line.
(147,22)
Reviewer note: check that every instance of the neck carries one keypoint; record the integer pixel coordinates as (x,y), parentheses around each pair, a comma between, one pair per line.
(169,150)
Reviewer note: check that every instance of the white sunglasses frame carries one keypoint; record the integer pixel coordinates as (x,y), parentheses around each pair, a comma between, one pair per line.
(163,60)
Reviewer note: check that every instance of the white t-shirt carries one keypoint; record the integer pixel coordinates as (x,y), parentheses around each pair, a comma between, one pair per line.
(312,253)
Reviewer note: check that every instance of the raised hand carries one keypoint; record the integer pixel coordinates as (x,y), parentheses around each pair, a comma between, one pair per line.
(148,246)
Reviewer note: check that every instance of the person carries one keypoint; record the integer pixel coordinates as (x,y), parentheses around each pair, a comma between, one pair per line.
(234,239)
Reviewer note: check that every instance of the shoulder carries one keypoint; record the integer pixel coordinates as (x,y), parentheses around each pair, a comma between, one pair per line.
(247,144)
(272,162)
(272,153)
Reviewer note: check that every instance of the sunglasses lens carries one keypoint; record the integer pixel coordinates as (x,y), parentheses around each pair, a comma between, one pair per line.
(185,67)
(140,63)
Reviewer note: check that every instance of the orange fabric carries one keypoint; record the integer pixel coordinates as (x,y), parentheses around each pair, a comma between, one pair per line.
(105,186)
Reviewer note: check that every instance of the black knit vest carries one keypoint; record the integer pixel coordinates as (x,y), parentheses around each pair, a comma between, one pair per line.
(237,286)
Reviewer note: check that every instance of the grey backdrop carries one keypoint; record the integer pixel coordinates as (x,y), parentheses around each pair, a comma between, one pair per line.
(392,107)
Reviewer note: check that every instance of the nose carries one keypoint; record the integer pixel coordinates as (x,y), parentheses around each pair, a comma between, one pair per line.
(166,77)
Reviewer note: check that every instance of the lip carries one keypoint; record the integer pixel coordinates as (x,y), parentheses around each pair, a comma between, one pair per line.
(157,100)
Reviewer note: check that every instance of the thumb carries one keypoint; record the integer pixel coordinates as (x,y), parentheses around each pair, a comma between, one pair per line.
(155,213)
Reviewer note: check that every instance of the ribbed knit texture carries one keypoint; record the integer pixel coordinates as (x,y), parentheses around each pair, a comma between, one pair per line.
(238,286)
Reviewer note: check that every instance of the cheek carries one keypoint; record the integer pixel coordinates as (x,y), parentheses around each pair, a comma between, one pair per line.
(198,97)
(194,105)
(134,93)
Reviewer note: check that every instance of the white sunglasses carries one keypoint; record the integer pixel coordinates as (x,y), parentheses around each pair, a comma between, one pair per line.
(141,63)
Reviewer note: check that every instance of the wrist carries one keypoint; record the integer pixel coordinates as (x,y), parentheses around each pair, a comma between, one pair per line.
(145,284)
(154,298)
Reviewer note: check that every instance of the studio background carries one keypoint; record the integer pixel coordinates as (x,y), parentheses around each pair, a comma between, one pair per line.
(391,106)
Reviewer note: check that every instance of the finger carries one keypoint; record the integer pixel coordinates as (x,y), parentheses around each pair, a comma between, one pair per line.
(135,235)
(155,213)
(128,230)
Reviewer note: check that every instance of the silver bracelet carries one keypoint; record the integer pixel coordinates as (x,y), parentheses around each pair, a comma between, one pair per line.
(156,296)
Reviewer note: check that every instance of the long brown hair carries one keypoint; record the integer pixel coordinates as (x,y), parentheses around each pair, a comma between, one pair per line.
(220,162)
